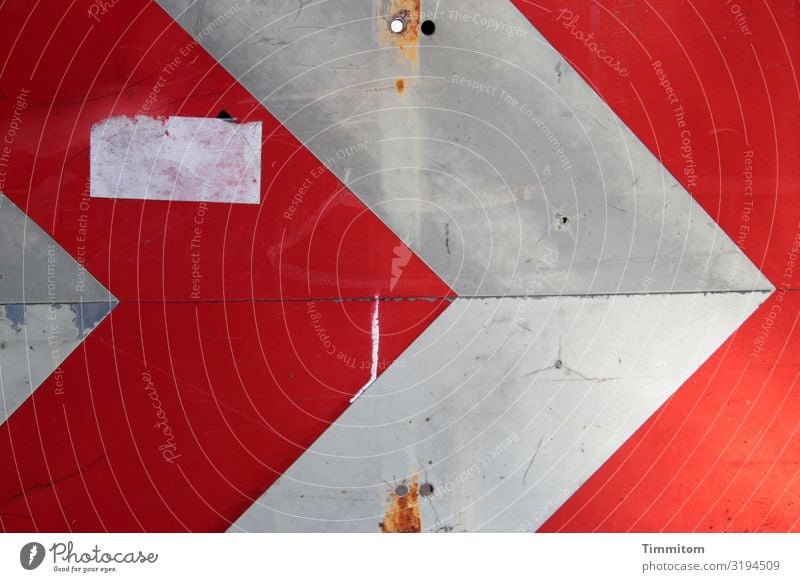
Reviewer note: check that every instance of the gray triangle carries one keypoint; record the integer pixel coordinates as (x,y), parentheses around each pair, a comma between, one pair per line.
(48,305)
(35,269)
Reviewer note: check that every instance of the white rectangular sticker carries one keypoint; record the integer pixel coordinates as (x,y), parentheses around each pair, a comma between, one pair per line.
(176,159)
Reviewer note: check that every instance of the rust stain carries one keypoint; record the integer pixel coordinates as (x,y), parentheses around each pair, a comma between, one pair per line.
(401,85)
(402,515)
(408,40)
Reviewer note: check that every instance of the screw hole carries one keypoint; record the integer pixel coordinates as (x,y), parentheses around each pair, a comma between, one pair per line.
(401,490)
(426,489)
(564,220)
(559,364)
(428,27)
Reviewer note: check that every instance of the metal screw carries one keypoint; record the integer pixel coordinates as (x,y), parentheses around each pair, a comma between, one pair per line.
(397,25)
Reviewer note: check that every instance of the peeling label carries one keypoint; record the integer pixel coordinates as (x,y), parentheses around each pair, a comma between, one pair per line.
(177,159)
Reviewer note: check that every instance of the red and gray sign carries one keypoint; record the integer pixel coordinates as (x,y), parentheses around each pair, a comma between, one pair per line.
(526,267)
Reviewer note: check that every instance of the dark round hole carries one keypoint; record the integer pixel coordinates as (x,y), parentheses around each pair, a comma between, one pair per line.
(428,27)
(559,364)
(564,220)
(426,489)
(401,490)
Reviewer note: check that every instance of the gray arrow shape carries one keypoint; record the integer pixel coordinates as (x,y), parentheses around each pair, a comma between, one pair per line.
(591,283)
(48,305)
(495,153)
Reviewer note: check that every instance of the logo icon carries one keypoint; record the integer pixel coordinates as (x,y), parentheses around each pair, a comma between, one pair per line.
(402,256)
(31,555)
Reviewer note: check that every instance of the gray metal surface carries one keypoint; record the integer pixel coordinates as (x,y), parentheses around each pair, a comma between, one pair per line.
(494,152)
(48,305)
(505,408)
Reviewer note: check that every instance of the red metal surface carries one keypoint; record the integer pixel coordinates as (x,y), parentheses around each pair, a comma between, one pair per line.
(246,372)
(722,453)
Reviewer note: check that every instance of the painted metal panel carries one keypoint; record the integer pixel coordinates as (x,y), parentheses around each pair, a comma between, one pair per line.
(75,74)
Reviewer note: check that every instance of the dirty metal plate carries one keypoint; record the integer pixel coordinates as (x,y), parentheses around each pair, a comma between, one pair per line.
(504,410)
(486,150)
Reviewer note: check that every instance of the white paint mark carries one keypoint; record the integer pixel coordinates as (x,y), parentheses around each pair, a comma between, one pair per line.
(177,159)
(376,343)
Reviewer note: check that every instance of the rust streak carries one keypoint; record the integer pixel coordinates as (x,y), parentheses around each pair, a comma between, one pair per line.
(401,86)
(402,515)
(406,41)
